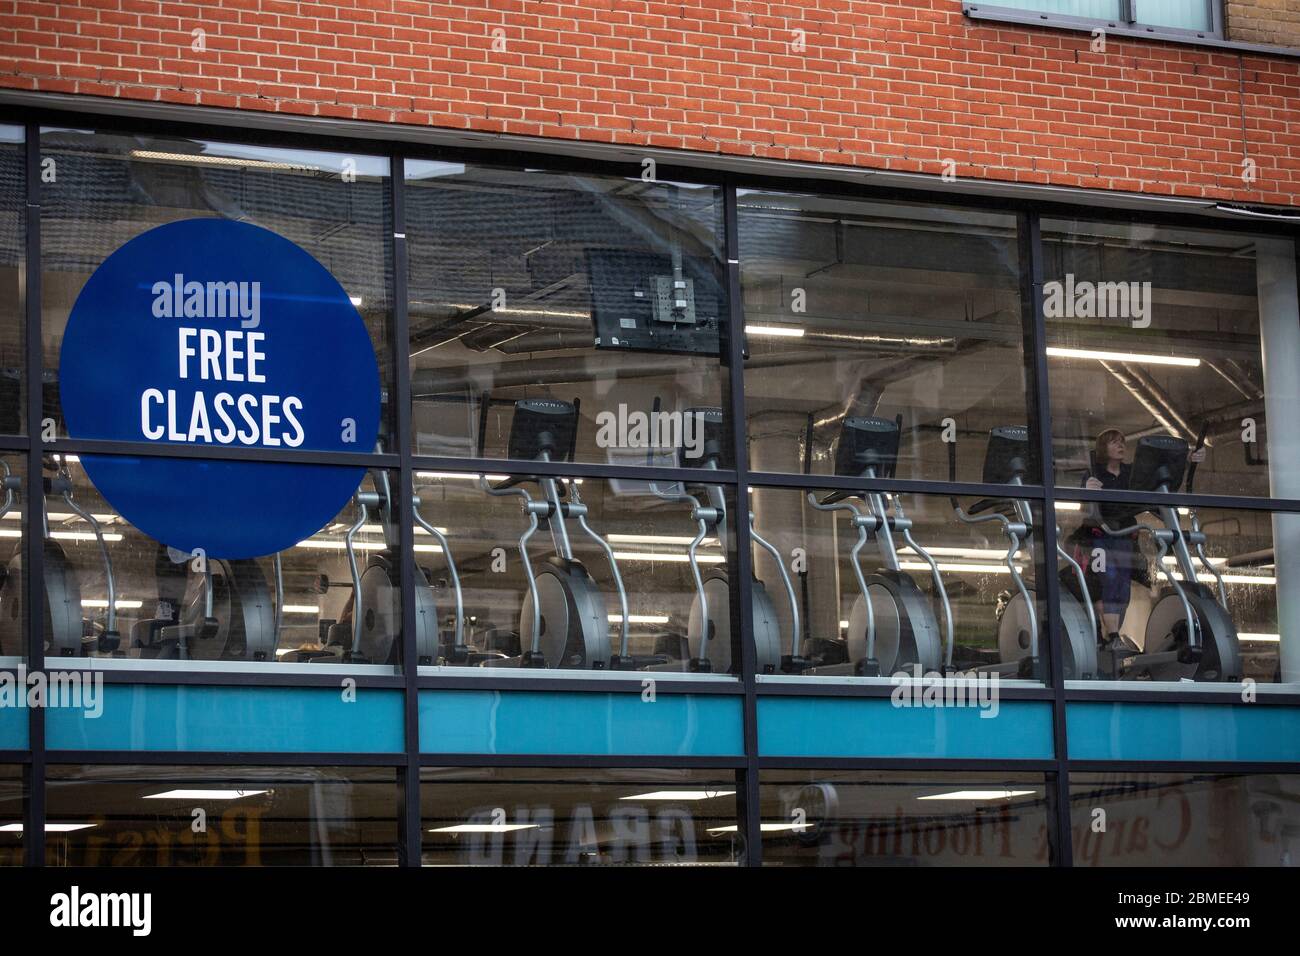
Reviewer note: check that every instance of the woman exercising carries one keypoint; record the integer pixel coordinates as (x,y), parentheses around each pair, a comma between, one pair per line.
(1112,577)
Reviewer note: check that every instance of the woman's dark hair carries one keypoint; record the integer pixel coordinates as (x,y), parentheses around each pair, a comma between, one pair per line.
(1105,438)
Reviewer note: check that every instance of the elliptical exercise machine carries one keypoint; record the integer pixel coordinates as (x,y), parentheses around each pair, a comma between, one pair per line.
(1005,463)
(892,625)
(708,633)
(374,635)
(67,634)
(563,622)
(1189,633)
(221,612)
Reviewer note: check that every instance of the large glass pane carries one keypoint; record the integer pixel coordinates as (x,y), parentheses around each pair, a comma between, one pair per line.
(595,550)
(13,604)
(184,610)
(1185,819)
(885,310)
(1179,594)
(869,586)
(1180,14)
(220,816)
(12,805)
(601,291)
(104,189)
(1161,331)
(562,817)
(1093,9)
(903,818)
(13,232)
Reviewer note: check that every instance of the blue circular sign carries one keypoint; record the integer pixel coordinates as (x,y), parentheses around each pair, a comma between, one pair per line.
(219,334)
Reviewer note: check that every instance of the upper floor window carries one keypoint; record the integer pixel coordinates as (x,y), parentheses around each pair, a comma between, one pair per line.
(1200,16)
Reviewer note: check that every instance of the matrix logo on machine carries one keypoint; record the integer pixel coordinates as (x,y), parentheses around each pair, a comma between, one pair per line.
(213,333)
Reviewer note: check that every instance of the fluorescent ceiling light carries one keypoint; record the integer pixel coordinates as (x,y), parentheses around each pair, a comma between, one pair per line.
(378,529)
(120,605)
(960,568)
(356,300)
(63,516)
(485,828)
(1067,505)
(655,539)
(844,625)
(1238,578)
(961,552)
(662,556)
(200,794)
(1137,357)
(300,609)
(307,645)
(979,795)
(1260,638)
(765,827)
(777,331)
(320,545)
(458,475)
(341,545)
(681,795)
(639,618)
(49,827)
(82,536)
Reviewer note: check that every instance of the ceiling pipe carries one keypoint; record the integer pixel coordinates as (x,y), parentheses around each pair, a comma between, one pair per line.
(1246,390)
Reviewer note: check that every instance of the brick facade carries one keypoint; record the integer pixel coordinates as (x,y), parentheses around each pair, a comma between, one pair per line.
(896,85)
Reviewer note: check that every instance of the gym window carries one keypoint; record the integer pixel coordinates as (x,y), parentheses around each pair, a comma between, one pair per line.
(1163,19)
(566,326)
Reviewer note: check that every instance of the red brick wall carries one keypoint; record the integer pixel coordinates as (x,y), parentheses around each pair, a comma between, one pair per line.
(896,85)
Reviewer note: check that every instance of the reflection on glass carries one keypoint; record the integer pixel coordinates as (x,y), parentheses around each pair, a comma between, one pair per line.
(13,617)
(13,203)
(898,818)
(552,817)
(254,816)
(1186,819)
(1099,9)
(585,573)
(115,594)
(877,310)
(12,805)
(599,291)
(1179,594)
(109,188)
(1176,14)
(1158,331)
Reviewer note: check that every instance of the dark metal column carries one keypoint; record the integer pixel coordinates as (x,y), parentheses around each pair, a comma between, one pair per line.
(33,505)
(742,613)
(1035,353)
(409,776)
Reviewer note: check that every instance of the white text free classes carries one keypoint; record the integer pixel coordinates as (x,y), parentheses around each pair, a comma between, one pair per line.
(250,419)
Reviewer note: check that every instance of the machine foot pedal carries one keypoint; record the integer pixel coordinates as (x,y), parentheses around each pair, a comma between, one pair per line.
(868,668)
(791,664)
